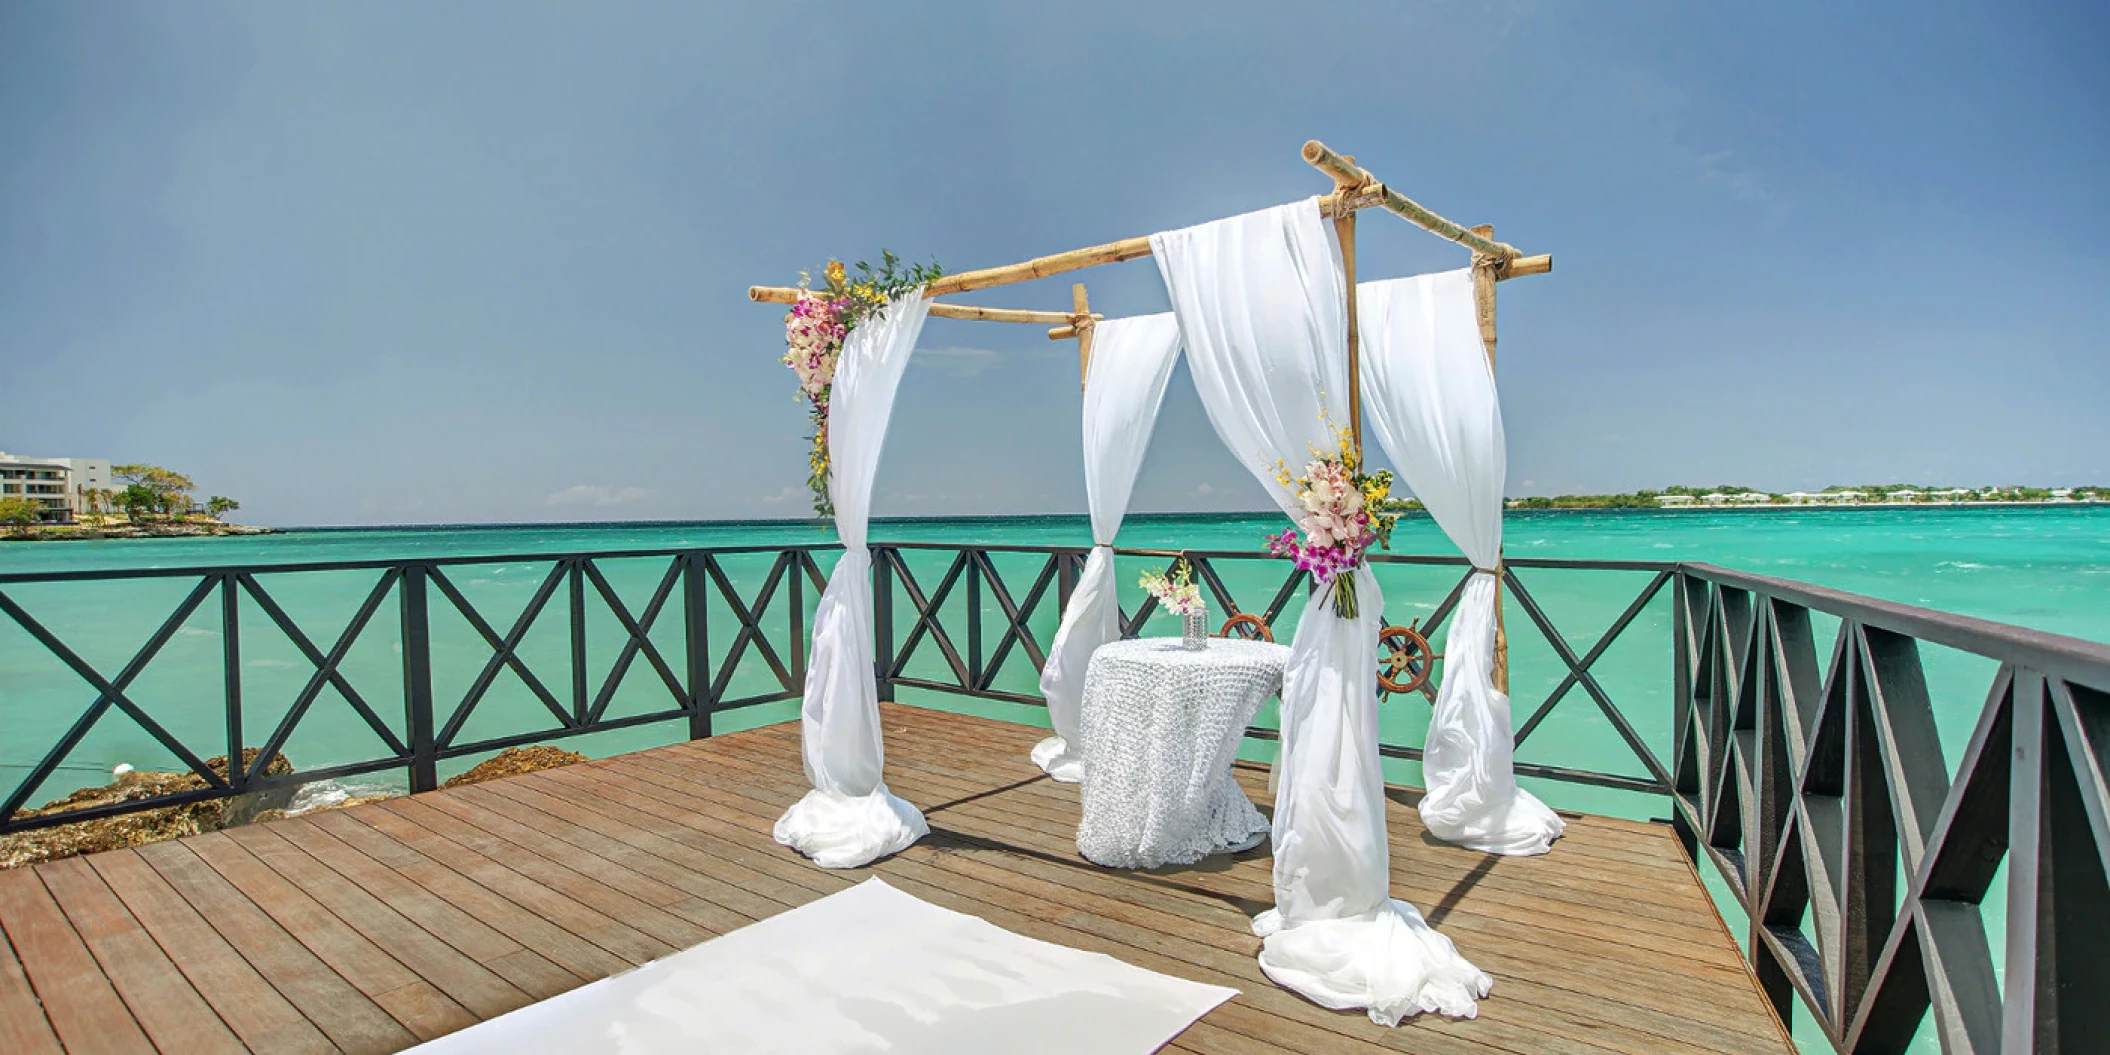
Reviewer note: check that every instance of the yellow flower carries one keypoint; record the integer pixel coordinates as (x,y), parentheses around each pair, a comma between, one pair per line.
(835,272)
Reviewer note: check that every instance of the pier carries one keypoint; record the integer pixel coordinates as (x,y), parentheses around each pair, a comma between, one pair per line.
(1802,767)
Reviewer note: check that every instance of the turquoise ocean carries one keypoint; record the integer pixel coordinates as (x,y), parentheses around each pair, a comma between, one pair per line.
(2046,568)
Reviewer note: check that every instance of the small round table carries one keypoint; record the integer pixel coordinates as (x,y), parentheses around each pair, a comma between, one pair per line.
(1160,729)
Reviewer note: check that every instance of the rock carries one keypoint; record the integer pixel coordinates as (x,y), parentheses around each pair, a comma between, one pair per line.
(513,761)
(144,826)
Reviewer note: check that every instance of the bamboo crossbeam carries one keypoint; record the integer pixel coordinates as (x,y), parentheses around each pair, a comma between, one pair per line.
(1356,186)
(1043,267)
(1137,248)
(790,295)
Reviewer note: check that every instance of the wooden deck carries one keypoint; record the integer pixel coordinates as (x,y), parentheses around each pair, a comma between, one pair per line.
(372,928)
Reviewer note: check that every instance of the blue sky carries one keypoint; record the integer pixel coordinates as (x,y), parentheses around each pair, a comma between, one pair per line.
(395,262)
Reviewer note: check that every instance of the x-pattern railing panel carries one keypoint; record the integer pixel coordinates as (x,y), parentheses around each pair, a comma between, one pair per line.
(109,693)
(697,681)
(1831,811)
(327,673)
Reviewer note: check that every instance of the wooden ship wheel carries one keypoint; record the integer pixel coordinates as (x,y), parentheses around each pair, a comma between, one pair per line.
(1248,626)
(1405,661)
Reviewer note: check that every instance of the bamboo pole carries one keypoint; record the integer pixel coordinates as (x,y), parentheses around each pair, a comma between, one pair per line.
(1043,267)
(1344,232)
(1082,327)
(790,295)
(1367,192)
(1484,276)
(1356,189)
(1355,185)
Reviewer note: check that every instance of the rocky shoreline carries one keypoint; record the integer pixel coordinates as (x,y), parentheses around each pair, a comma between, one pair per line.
(173,822)
(84,533)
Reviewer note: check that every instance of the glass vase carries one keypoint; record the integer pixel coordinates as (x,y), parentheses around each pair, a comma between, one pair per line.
(1194,630)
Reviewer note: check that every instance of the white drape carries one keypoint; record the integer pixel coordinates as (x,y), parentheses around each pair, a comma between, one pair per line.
(1131,361)
(849,818)
(1261,307)
(1430,399)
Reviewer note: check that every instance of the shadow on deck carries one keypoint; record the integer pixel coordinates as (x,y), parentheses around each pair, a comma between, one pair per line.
(373,928)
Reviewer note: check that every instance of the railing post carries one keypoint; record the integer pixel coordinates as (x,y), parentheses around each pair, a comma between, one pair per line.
(417,680)
(231,665)
(974,621)
(696,622)
(796,617)
(882,623)
(1068,567)
(579,690)
(1681,759)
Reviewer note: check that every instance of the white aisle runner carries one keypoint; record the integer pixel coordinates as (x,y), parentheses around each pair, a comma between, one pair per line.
(868,969)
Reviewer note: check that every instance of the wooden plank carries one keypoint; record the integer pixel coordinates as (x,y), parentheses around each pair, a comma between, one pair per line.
(467,983)
(1410,853)
(524,968)
(625,942)
(411,1000)
(345,1015)
(1736,985)
(518,821)
(1739,992)
(82,1006)
(575,954)
(248,1004)
(23,1026)
(1136,946)
(172,1014)
(665,923)
(458,905)
(1258,885)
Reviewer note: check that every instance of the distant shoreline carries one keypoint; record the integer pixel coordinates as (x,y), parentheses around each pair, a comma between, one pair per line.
(77,533)
(1782,507)
(996,518)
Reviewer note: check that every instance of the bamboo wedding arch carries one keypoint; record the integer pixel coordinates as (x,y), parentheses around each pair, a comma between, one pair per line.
(1354,189)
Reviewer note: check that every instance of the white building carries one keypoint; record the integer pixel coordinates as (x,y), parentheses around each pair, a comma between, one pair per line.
(1755,498)
(60,485)
(1902,494)
(1714,498)
(1673,500)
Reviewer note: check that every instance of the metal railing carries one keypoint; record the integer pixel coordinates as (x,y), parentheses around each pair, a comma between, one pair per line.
(1818,791)
(1860,856)
(697,683)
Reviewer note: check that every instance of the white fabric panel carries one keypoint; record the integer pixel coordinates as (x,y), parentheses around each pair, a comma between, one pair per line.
(1131,362)
(1430,400)
(1261,307)
(849,818)
(867,969)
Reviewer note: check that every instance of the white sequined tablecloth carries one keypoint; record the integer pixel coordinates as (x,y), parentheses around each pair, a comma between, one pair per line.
(1161,727)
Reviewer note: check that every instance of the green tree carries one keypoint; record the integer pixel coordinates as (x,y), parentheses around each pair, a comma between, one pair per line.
(221,505)
(18,513)
(138,500)
(171,489)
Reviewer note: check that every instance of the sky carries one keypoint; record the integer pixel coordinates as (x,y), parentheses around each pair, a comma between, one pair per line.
(392,262)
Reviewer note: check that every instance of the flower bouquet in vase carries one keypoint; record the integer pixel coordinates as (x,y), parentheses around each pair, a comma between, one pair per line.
(1180,595)
(1342,512)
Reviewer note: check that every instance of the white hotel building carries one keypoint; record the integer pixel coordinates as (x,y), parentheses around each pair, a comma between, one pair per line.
(58,485)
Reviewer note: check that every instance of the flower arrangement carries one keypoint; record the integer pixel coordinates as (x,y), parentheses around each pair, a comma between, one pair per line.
(1177,591)
(818,324)
(1345,512)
